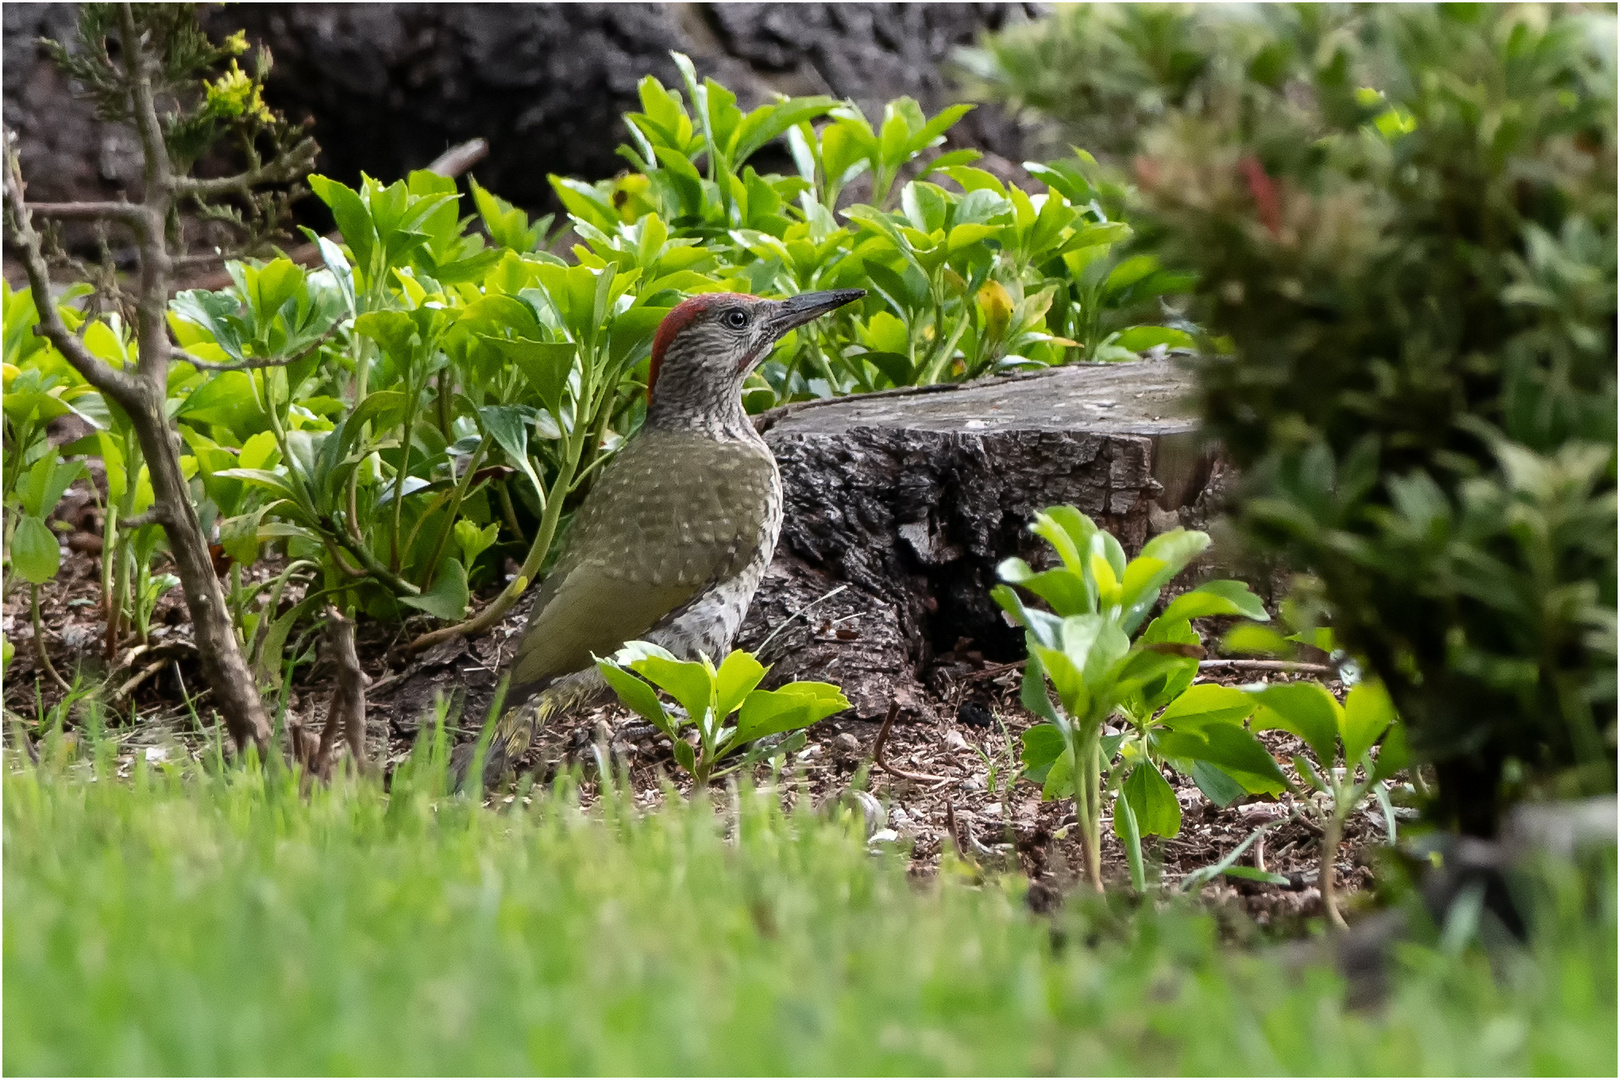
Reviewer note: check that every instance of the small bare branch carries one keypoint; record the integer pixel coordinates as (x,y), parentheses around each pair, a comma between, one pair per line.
(237,365)
(882,740)
(29,247)
(458,159)
(157,515)
(1294,667)
(159,174)
(133,215)
(346,715)
(291,165)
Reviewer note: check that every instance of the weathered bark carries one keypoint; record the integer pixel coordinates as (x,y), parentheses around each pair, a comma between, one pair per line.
(391,85)
(910,500)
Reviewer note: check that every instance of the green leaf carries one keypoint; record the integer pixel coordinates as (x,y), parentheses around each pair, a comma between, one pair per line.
(447,599)
(34,551)
(1252,639)
(1366,714)
(544,364)
(1059,779)
(1393,754)
(1130,836)
(239,536)
(1068,531)
(262,478)
(1032,693)
(1249,873)
(1150,796)
(508,426)
(1305,709)
(1216,598)
(1066,592)
(46,481)
(687,681)
(685,756)
(1043,745)
(1234,750)
(796,705)
(474,541)
(1142,338)
(637,695)
(1216,784)
(350,213)
(739,673)
(1207,703)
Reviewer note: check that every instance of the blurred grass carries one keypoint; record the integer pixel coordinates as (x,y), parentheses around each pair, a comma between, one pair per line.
(192,922)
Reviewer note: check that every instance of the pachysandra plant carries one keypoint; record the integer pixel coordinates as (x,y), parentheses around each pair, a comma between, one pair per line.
(723,705)
(1326,790)
(1093,650)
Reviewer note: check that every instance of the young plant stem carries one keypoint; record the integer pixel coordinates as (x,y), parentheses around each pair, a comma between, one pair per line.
(1094,783)
(412,395)
(455,508)
(109,576)
(1083,754)
(554,499)
(508,511)
(1332,829)
(39,640)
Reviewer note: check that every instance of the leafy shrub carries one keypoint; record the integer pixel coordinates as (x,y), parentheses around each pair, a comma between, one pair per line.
(432,399)
(1093,650)
(1403,223)
(710,695)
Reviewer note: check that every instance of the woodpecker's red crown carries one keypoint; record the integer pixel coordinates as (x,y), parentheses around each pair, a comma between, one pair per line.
(728,333)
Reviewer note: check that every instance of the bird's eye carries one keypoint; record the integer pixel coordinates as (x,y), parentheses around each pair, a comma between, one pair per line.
(736,318)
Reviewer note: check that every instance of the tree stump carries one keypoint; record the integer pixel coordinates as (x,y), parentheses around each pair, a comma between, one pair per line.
(899,506)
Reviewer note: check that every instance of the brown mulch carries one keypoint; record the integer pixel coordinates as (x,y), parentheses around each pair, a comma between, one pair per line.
(967,750)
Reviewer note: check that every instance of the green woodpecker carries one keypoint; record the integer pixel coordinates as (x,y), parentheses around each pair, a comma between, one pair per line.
(676,532)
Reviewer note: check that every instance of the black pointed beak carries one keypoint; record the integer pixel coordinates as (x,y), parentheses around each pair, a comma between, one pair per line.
(798,310)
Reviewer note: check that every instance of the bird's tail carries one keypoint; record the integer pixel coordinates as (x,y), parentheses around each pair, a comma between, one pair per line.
(511,735)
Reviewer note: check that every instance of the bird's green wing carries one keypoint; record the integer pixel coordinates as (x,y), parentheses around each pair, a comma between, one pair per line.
(670,515)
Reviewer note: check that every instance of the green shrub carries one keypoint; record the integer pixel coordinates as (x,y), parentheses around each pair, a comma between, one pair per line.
(1403,223)
(431,399)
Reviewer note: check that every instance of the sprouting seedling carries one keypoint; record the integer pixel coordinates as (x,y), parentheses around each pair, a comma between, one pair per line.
(710,696)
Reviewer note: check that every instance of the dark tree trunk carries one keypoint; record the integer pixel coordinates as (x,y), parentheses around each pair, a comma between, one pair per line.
(391,86)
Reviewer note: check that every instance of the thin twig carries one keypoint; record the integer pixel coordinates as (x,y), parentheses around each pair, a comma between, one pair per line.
(453,162)
(1294,666)
(883,738)
(237,365)
(133,215)
(157,515)
(287,167)
(29,247)
(346,715)
(992,671)
(783,625)
(254,364)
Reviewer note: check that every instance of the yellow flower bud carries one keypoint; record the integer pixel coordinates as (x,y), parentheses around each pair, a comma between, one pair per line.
(996,305)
